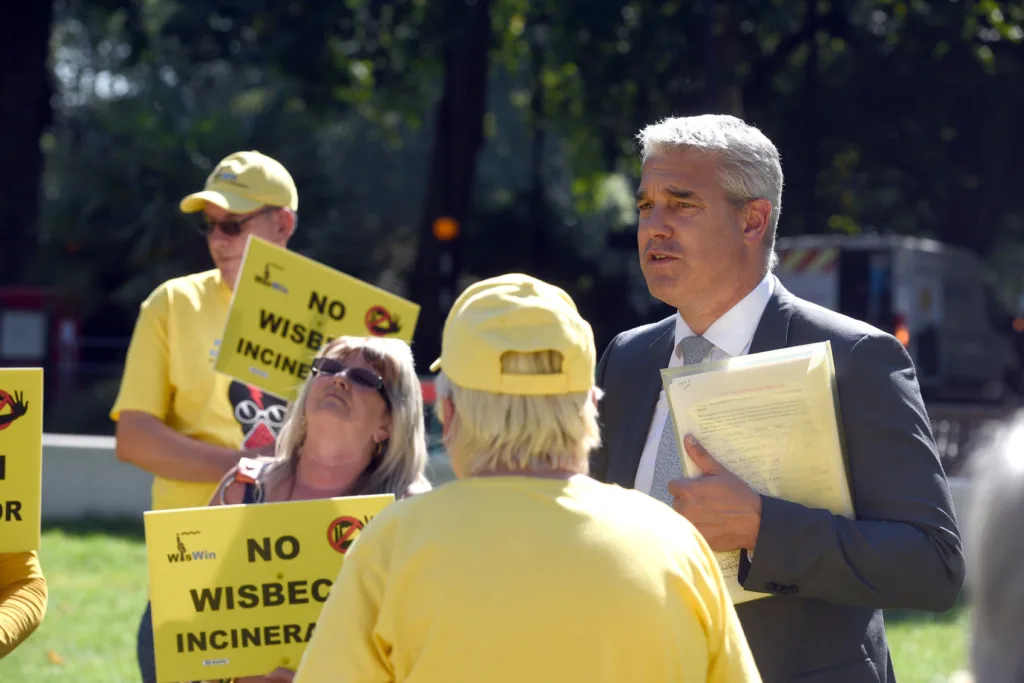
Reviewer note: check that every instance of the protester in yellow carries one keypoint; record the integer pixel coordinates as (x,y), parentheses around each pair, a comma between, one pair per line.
(176,418)
(356,428)
(524,568)
(23,597)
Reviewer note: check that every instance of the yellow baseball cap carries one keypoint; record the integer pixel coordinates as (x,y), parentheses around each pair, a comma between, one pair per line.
(516,312)
(244,182)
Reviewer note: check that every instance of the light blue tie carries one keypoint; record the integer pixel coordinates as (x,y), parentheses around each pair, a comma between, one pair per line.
(667,465)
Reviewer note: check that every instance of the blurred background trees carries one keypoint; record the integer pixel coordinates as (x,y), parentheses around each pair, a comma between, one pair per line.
(516,119)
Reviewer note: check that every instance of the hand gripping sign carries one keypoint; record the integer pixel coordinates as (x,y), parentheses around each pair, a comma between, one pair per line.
(21,458)
(236,590)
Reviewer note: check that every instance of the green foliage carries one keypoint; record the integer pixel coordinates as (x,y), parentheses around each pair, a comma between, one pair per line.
(119,164)
(891,115)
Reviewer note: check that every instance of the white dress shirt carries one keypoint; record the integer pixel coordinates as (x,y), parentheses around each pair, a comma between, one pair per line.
(731,334)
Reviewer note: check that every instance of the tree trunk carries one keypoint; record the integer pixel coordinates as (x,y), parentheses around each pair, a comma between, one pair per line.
(812,148)
(458,139)
(25,112)
(723,92)
(730,88)
(537,191)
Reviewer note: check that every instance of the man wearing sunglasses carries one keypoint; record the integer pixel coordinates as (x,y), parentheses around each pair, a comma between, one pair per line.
(176,418)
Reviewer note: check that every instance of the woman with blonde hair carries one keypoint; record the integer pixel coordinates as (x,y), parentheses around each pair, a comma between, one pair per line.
(525,568)
(355,428)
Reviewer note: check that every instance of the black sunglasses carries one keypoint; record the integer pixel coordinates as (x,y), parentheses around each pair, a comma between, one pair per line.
(231,228)
(361,376)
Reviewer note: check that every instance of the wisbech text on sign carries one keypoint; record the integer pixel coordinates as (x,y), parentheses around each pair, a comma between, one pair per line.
(286,307)
(301,335)
(236,590)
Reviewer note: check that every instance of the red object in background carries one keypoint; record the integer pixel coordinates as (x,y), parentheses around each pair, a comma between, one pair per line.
(900,329)
(39,326)
(429,392)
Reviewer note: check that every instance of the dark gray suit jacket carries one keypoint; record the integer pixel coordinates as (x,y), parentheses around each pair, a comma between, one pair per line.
(829,576)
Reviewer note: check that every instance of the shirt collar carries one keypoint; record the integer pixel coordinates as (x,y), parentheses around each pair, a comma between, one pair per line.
(735,329)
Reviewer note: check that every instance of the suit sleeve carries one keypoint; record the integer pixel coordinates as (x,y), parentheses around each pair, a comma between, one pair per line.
(599,458)
(903,549)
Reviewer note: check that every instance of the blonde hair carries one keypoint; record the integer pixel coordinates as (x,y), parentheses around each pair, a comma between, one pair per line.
(491,431)
(994,553)
(399,467)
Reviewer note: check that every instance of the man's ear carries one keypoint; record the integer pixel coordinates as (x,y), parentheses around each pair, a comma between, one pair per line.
(756,218)
(286,221)
(447,413)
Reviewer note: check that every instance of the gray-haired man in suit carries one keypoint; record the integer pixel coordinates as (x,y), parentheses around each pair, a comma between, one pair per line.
(709,201)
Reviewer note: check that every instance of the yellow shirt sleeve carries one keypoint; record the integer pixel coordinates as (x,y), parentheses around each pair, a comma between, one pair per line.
(146,383)
(346,645)
(23,597)
(729,657)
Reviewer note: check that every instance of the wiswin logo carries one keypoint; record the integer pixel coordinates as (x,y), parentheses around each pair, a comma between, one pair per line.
(185,555)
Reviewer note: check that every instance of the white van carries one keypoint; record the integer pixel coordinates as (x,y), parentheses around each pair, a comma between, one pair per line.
(933,297)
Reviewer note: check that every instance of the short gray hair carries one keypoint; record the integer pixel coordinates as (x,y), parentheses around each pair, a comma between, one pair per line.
(995,553)
(748,161)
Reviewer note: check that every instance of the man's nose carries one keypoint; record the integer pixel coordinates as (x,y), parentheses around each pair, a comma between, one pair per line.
(656,223)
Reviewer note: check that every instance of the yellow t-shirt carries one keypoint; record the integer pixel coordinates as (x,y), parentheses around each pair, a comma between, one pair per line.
(526,579)
(23,597)
(169,374)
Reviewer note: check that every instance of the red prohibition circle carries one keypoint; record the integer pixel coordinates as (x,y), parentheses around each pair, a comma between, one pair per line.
(6,402)
(377,320)
(342,532)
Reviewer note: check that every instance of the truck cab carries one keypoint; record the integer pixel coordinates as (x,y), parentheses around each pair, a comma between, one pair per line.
(934,298)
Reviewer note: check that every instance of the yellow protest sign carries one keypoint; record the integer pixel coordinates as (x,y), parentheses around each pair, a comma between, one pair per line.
(236,590)
(21,458)
(285,306)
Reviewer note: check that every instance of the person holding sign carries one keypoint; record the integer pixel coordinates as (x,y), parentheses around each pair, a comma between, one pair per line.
(709,200)
(524,568)
(176,417)
(356,428)
(23,597)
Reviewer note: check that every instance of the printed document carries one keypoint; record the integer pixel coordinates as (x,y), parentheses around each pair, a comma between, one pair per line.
(773,420)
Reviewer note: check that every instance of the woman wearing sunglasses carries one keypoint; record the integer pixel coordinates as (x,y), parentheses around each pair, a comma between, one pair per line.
(356,428)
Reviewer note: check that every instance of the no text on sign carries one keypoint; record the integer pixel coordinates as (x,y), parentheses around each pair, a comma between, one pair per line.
(236,590)
(21,458)
(286,306)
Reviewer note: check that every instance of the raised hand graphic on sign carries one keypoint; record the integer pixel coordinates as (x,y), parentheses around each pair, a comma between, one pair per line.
(17,404)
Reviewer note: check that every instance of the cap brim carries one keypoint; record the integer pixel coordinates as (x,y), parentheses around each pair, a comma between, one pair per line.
(196,202)
(436,365)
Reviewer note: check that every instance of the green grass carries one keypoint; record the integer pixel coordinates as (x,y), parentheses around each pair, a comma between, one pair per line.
(97,580)
(97,584)
(928,648)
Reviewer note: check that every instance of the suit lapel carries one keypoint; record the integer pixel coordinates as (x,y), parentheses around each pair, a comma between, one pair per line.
(772,333)
(643,392)
(773,329)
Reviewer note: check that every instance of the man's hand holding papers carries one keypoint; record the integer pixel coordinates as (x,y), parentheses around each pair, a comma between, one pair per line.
(723,508)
